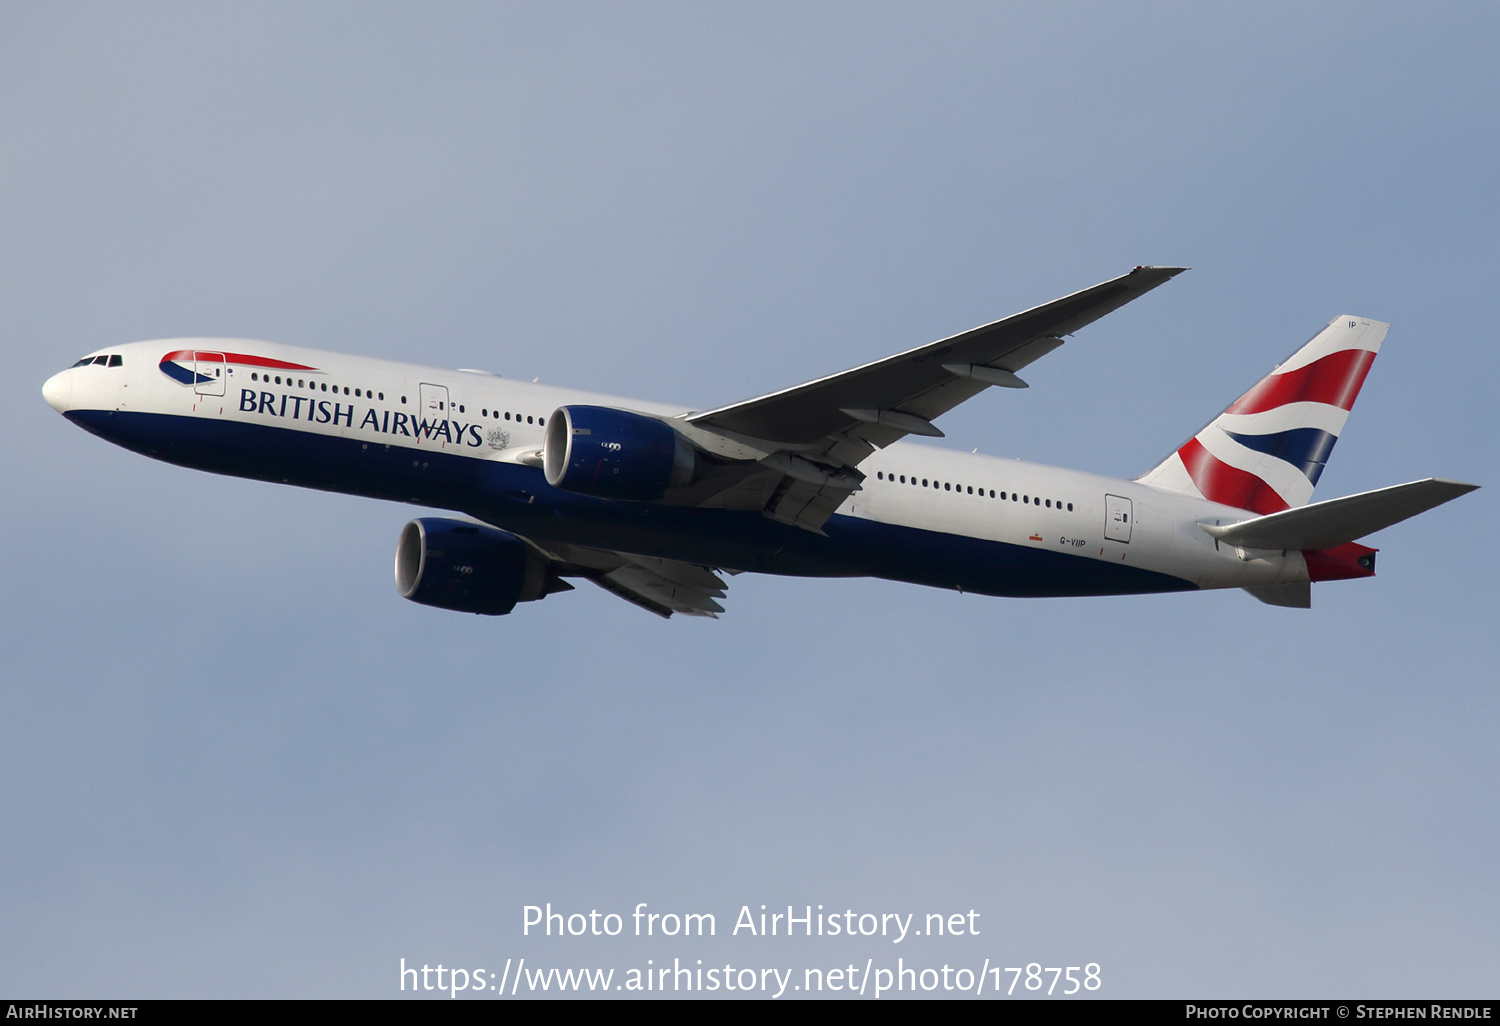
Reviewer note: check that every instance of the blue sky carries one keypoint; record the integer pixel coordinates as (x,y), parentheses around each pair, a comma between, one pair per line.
(236,763)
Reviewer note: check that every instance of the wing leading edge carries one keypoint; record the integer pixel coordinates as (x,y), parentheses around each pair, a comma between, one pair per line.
(926,382)
(812,437)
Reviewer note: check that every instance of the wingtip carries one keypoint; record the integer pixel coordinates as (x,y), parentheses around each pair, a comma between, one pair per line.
(1459,487)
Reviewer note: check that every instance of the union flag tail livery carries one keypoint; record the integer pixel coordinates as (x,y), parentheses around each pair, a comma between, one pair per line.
(1267,450)
(651,501)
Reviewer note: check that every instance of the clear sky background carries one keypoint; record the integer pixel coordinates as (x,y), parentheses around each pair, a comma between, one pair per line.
(233,762)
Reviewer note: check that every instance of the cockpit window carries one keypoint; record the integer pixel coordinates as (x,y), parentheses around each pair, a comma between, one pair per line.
(102,361)
(116,360)
(84,362)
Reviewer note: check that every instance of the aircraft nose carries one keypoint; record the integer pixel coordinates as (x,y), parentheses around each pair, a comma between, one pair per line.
(58,391)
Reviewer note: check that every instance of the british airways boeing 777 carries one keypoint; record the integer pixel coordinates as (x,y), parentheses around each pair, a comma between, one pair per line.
(650,501)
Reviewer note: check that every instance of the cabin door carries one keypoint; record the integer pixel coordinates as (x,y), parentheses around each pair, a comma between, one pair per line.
(433,411)
(208,373)
(1117,517)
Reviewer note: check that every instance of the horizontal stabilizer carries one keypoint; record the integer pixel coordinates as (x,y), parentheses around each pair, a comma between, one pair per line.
(1294,596)
(1324,525)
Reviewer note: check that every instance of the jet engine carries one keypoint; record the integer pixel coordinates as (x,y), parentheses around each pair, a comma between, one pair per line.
(470,568)
(615,454)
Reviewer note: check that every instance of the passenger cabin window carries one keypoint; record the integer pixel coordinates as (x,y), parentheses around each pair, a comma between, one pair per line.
(949,486)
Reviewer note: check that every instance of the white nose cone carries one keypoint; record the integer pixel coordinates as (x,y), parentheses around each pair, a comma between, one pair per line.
(58,391)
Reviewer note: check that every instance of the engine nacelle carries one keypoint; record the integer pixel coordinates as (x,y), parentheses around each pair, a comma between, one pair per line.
(471,568)
(615,454)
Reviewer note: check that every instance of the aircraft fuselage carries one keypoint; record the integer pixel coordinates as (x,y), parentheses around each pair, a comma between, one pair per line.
(461,440)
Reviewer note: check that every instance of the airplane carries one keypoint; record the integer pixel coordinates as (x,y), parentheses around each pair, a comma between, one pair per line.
(652,501)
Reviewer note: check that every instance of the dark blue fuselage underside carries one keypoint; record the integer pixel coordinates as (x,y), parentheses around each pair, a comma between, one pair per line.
(517,498)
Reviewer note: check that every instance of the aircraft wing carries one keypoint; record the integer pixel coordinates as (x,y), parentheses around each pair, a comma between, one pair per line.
(922,382)
(663,586)
(818,432)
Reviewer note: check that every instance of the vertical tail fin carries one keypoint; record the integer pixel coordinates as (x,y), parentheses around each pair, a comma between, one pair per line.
(1266,451)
